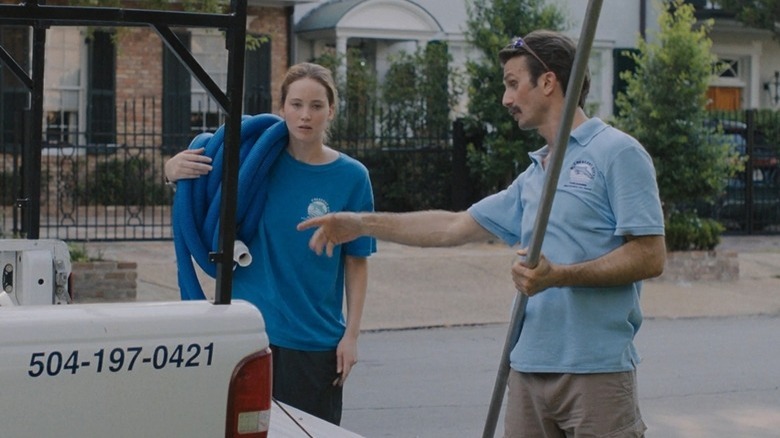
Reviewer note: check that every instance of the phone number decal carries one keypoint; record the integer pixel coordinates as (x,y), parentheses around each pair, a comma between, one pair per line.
(120,359)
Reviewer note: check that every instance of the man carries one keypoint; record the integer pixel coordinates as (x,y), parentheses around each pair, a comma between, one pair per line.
(573,368)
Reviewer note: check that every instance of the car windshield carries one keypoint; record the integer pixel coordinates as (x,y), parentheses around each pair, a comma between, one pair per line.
(736,141)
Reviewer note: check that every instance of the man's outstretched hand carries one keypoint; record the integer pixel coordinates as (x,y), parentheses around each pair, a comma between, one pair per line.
(334,229)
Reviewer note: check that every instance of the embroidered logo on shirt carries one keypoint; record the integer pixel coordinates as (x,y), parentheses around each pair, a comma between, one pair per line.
(581,175)
(317,207)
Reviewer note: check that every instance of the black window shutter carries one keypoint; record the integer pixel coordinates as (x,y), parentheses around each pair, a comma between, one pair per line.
(177,100)
(623,61)
(101,91)
(14,96)
(257,93)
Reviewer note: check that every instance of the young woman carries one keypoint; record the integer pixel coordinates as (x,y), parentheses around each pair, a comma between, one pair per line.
(300,295)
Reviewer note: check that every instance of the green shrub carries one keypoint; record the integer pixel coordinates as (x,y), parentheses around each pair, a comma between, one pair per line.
(80,253)
(124,182)
(409,180)
(686,231)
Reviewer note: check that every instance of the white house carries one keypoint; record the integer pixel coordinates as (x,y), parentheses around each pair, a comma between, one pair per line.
(381,27)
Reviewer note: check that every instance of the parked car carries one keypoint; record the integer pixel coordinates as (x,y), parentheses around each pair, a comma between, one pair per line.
(762,161)
(764,154)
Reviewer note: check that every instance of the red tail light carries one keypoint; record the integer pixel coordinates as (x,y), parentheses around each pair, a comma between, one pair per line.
(249,397)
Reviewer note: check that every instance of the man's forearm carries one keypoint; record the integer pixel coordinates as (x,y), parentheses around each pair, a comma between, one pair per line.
(638,259)
(431,228)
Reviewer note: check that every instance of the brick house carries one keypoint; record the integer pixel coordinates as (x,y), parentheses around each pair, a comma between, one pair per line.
(98,81)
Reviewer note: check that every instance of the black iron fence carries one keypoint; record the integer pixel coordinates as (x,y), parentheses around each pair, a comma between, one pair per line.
(750,201)
(114,191)
(91,191)
(413,163)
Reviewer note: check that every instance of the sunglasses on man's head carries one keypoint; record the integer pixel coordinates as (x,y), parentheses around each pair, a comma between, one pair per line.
(519,42)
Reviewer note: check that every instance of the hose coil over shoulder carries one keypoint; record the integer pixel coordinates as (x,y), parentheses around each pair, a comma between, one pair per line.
(196,204)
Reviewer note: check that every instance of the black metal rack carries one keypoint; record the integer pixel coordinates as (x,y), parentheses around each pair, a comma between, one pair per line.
(39,16)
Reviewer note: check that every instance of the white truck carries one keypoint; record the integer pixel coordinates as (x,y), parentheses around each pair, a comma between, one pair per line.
(170,369)
(175,369)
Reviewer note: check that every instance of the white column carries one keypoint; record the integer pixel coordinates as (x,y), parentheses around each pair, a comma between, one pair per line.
(755,83)
(341,53)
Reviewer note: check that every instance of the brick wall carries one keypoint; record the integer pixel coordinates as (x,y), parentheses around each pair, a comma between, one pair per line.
(139,64)
(139,74)
(273,22)
(104,281)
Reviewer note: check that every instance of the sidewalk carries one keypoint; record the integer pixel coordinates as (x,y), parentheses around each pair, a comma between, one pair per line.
(427,287)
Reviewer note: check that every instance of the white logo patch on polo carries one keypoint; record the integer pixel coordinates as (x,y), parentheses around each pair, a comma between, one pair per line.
(581,175)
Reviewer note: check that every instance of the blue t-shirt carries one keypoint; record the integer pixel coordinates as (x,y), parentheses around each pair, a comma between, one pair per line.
(606,190)
(299,293)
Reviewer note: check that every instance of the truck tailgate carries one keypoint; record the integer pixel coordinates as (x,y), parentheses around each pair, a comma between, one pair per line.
(289,422)
(122,369)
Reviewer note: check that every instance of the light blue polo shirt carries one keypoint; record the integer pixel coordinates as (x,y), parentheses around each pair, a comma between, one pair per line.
(607,189)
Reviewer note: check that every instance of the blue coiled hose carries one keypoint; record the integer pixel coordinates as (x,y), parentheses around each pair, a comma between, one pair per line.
(196,204)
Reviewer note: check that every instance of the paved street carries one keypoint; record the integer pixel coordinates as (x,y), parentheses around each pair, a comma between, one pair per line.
(700,377)
(435,323)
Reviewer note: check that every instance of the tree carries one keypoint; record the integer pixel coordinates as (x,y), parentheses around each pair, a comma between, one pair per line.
(664,107)
(206,6)
(761,14)
(419,91)
(212,6)
(357,85)
(413,105)
(492,24)
(414,100)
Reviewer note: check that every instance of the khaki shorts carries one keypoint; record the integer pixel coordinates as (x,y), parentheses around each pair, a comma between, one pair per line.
(547,405)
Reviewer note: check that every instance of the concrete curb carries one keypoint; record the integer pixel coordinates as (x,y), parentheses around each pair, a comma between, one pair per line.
(432,287)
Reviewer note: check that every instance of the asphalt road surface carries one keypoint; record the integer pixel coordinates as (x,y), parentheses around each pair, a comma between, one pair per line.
(705,377)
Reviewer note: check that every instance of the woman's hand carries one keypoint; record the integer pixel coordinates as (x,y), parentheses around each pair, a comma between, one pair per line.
(189,163)
(346,357)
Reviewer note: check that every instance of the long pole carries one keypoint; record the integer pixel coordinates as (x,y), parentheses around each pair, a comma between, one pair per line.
(236,37)
(573,91)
